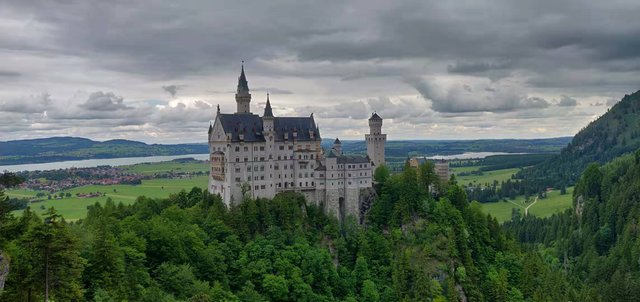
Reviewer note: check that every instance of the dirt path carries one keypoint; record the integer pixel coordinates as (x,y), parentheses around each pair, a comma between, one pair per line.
(526,210)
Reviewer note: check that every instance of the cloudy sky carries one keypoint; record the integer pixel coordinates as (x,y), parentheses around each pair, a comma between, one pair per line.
(155,70)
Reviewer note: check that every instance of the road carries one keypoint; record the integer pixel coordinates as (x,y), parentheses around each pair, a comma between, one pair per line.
(526,210)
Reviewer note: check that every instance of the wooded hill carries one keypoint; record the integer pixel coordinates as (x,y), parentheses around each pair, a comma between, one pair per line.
(615,133)
(75,148)
(597,242)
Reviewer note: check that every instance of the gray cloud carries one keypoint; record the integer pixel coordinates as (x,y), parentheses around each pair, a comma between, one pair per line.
(458,98)
(32,104)
(611,102)
(9,74)
(173,89)
(272,90)
(474,60)
(566,101)
(100,101)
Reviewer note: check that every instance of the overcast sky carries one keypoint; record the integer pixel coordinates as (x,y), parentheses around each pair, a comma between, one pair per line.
(155,70)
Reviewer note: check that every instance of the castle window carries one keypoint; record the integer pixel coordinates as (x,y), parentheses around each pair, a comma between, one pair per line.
(248,169)
(312,184)
(237,149)
(237,160)
(246,159)
(261,148)
(281,147)
(237,179)
(291,147)
(248,178)
(237,169)
(261,158)
(246,148)
(262,187)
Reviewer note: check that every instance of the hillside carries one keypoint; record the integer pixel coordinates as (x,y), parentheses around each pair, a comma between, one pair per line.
(615,133)
(75,148)
(598,241)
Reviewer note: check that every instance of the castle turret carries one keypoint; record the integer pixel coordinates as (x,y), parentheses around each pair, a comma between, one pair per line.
(267,117)
(243,97)
(337,147)
(375,140)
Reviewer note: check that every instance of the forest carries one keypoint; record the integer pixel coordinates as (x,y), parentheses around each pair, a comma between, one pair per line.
(414,246)
(597,241)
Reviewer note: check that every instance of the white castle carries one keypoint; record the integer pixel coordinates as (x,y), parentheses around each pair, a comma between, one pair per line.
(263,156)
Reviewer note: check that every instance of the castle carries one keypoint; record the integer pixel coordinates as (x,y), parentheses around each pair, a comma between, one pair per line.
(262,156)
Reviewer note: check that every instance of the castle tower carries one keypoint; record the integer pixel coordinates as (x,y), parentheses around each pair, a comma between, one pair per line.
(337,146)
(243,97)
(269,137)
(267,117)
(375,141)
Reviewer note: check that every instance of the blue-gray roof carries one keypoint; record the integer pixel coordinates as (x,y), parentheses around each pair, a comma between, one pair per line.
(353,159)
(243,85)
(251,126)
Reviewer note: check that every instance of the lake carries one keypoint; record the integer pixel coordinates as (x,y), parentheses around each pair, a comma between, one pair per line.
(89,163)
(125,161)
(469,155)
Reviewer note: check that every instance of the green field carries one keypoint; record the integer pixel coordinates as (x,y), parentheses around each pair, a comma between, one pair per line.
(170,166)
(486,177)
(75,208)
(554,203)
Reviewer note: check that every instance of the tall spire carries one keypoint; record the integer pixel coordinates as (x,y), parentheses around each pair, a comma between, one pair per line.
(243,97)
(243,85)
(268,112)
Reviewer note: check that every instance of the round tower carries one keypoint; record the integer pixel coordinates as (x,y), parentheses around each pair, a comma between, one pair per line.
(375,141)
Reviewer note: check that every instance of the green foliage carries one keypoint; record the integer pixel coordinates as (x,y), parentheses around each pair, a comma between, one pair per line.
(598,241)
(613,134)
(191,247)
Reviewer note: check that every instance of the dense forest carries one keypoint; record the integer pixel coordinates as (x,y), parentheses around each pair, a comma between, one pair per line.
(613,134)
(414,247)
(596,242)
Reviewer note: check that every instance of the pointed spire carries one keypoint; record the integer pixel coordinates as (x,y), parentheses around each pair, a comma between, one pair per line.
(268,112)
(210,128)
(218,110)
(243,85)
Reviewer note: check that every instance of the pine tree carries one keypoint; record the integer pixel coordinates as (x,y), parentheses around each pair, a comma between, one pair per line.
(55,261)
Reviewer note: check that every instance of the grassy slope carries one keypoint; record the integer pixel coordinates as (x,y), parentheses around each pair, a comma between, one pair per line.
(502,210)
(163,167)
(75,208)
(486,177)
(554,203)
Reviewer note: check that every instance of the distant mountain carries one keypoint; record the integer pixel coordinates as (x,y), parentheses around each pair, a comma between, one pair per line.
(76,148)
(615,133)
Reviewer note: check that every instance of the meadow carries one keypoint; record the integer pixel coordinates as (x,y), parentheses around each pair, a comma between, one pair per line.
(73,208)
(486,177)
(545,207)
(502,210)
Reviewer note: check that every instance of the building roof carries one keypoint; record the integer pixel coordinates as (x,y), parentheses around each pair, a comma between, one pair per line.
(243,85)
(337,142)
(301,125)
(248,124)
(251,126)
(375,116)
(268,112)
(353,159)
